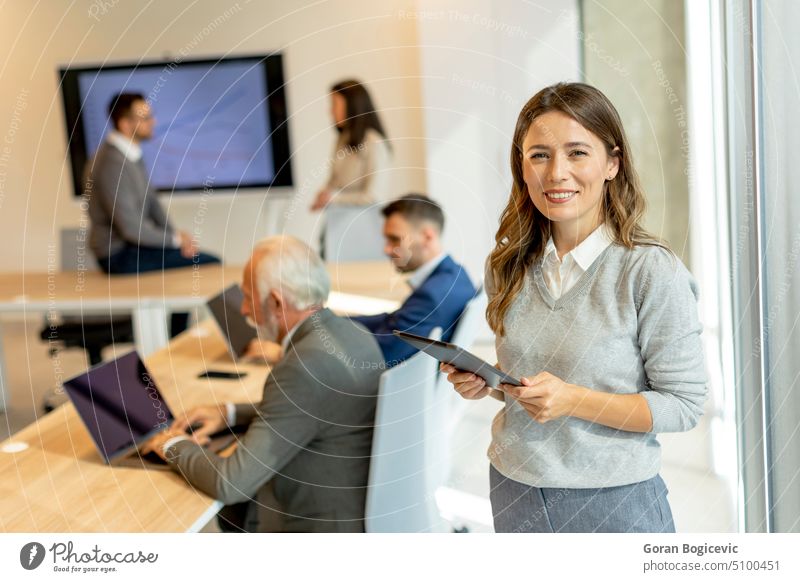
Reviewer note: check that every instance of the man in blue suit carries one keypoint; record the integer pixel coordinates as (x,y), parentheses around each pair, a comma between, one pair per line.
(440,287)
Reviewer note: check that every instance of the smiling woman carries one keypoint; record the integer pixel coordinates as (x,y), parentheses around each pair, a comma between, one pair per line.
(597,319)
(566,179)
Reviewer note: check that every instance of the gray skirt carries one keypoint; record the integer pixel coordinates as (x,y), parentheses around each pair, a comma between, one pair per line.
(520,508)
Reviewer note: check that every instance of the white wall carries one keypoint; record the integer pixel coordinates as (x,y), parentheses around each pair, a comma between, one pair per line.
(480,62)
(321,44)
(449,78)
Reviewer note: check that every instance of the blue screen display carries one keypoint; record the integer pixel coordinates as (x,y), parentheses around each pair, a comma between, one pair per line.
(212,120)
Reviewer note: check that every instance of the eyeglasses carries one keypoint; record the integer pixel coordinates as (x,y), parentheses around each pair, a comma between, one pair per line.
(137,117)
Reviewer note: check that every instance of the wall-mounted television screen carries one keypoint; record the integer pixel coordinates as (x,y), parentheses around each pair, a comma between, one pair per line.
(220,123)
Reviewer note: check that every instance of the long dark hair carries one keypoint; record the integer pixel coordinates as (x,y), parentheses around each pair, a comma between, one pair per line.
(360,113)
(524,231)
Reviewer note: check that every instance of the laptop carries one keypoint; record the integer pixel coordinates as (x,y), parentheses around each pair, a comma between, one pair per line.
(122,408)
(227,311)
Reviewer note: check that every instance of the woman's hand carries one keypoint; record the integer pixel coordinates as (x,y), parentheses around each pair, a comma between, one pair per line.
(544,396)
(321,201)
(467,384)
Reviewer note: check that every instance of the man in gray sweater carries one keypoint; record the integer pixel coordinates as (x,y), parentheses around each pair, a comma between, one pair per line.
(130,232)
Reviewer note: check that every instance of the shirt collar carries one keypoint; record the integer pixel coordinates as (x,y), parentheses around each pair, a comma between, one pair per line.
(129,148)
(586,252)
(423,272)
(550,253)
(288,338)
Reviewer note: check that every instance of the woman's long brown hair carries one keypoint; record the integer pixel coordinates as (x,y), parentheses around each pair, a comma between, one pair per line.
(360,114)
(524,231)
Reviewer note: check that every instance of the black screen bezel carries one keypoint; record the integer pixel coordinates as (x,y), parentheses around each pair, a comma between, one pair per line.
(276,103)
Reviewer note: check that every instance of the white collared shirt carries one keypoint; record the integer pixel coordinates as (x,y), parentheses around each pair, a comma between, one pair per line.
(423,272)
(129,148)
(561,275)
(288,338)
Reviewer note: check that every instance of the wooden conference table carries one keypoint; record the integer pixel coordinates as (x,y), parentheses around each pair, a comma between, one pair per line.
(58,482)
(367,287)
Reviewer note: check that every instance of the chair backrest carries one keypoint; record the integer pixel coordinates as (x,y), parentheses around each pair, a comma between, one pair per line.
(353,233)
(402,475)
(75,252)
(464,335)
(447,406)
(469,322)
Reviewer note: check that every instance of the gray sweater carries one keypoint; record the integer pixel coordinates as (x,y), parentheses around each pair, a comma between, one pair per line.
(123,207)
(629,325)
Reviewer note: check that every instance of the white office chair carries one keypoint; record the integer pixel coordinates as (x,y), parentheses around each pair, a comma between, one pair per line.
(414,420)
(464,335)
(447,406)
(402,474)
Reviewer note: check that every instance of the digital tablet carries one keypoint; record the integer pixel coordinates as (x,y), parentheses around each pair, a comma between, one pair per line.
(458,357)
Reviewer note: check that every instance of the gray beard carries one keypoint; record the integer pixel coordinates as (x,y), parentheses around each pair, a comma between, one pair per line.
(266,333)
(265,336)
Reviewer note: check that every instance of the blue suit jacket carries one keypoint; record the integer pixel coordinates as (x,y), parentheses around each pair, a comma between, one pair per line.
(438,302)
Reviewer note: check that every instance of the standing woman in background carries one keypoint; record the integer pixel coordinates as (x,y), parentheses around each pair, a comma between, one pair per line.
(358,174)
(599,321)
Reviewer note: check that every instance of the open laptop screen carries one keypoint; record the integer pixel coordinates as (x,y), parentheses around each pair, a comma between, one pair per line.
(227,311)
(119,403)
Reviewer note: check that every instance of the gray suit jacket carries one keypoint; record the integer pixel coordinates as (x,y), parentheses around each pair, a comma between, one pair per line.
(304,459)
(123,207)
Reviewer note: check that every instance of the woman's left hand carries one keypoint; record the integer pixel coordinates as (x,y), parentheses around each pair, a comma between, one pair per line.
(544,396)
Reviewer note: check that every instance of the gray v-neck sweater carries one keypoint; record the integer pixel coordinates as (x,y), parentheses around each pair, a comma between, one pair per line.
(628,325)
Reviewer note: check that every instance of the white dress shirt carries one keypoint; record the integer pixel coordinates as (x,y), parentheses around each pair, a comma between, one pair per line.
(129,148)
(423,272)
(560,275)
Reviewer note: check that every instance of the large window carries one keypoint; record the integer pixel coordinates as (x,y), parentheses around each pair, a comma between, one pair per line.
(763,112)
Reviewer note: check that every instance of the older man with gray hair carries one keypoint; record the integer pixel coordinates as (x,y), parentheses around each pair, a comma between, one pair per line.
(303,463)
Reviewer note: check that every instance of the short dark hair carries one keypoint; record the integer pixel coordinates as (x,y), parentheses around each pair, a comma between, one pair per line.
(416,208)
(121,104)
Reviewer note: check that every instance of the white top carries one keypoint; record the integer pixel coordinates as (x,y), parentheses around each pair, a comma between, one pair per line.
(359,176)
(423,272)
(561,275)
(129,148)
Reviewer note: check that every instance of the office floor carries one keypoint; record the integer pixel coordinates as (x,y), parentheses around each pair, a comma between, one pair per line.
(701,501)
